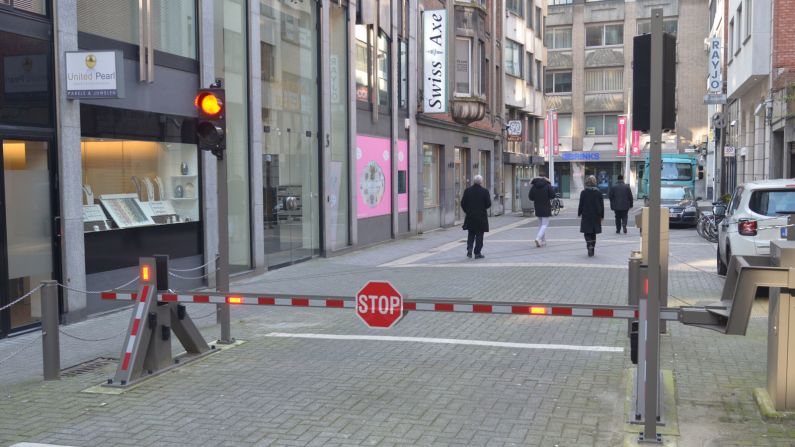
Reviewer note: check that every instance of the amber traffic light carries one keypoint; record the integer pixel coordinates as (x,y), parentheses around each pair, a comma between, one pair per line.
(211,126)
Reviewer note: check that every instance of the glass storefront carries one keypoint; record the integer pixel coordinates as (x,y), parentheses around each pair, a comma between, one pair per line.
(430,174)
(231,64)
(290,124)
(606,174)
(25,90)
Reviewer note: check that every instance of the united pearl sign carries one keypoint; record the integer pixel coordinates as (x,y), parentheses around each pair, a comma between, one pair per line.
(434,92)
(94,74)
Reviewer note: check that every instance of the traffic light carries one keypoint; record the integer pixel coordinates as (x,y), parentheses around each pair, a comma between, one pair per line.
(641,82)
(211,126)
(700,172)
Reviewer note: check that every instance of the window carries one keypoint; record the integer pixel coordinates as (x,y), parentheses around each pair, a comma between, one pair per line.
(538,23)
(34,6)
(514,6)
(731,39)
(559,82)
(772,203)
(558,38)
(601,125)
(383,70)
(430,175)
(559,2)
(669,26)
(564,125)
(463,62)
(748,15)
(601,35)
(362,64)
(530,68)
(513,58)
(539,75)
(676,171)
(529,18)
(739,43)
(605,80)
(484,68)
(404,74)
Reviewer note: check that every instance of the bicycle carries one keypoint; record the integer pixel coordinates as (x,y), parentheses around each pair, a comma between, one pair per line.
(556,204)
(707,226)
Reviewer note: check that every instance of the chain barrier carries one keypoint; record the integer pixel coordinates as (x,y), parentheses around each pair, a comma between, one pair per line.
(194,268)
(90,292)
(123,331)
(25,346)
(34,290)
(186,277)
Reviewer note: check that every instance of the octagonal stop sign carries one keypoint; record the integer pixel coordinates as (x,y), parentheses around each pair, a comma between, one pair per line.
(379,304)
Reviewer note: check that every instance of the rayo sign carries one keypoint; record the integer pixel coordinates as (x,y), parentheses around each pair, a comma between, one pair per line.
(715,75)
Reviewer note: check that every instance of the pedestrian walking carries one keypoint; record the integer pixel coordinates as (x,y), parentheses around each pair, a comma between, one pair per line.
(592,211)
(621,202)
(541,193)
(475,201)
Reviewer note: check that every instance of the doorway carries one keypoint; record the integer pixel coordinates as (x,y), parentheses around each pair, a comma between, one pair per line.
(460,178)
(27,245)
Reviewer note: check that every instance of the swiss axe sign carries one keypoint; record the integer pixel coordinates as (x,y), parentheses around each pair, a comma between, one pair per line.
(379,304)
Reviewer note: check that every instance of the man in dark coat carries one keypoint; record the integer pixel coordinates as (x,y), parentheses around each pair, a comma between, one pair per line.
(475,201)
(592,210)
(621,202)
(541,193)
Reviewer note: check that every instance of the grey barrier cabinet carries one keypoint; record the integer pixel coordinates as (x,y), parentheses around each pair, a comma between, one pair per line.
(528,209)
(781,332)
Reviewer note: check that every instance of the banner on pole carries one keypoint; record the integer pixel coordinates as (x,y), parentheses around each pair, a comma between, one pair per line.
(554,131)
(622,135)
(546,135)
(635,142)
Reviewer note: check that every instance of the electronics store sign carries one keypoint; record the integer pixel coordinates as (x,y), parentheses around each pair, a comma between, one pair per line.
(94,74)
(434,61)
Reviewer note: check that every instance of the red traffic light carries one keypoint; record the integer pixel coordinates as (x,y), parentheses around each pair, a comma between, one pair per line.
(209,104)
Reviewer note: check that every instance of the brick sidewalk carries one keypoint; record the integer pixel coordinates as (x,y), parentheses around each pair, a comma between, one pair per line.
(276,390)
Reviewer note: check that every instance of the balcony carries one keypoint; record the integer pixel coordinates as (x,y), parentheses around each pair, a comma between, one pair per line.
(468,109)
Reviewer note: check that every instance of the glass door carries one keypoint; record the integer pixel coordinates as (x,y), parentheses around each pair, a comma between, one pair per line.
(461,179)
(26,240)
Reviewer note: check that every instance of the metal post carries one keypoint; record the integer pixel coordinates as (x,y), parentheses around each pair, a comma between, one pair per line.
(49,330)
(222,279)
(551,149)
(652,332)
(628,142)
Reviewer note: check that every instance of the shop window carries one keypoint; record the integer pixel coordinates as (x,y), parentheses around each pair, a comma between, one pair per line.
(558,38)
(513,58)
(463,62)
(430,175)
(601,35)
(133,183)
(172,23)
(26,96)
(605,80)
(557,82)
(601,125)
(383,70)
(362,64)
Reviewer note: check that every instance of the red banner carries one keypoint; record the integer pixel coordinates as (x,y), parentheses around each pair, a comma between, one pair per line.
(635,142)
(546,136)
(622,136)
(554,132)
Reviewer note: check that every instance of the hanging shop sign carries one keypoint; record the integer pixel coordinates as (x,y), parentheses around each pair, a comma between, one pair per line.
(94,74)
(514,130)
(622,136)
(434,94)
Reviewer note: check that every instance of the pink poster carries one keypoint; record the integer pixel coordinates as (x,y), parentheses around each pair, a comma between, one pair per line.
(622,135)
(635,142)
(403,175)
(373,177)
(554,131)
(546,135)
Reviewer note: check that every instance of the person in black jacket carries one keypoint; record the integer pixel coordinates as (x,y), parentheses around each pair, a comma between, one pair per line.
(592,210)
(621,202)
(475,201)
(541,193)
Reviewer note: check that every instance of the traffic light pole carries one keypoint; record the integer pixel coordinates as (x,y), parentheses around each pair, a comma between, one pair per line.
(222,276)
(652,324)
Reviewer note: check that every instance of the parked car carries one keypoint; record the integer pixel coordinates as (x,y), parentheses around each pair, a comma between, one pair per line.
(757,214)
(681,203)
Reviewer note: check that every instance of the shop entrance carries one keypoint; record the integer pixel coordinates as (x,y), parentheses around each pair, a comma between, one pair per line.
(27,245)
(461,179)
(606,174)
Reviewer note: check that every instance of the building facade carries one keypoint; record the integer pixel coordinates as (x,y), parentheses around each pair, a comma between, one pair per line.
(321,157)
(525,60)
(588,81)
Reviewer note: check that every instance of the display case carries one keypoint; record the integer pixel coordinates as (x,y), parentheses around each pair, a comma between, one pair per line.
(129,183)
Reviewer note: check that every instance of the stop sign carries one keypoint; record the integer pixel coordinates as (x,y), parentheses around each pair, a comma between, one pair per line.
(379,304)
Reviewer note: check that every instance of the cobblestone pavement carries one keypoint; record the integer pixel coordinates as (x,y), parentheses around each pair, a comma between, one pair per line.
(280,390)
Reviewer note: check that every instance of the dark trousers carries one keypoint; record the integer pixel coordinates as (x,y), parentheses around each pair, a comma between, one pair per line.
(590,239)
(477,238)
(622,217)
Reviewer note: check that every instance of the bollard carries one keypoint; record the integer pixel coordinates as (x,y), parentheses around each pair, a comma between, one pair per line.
(634,287)
(49,329)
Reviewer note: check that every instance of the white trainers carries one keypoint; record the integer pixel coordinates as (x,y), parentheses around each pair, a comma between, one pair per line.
(538,243)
